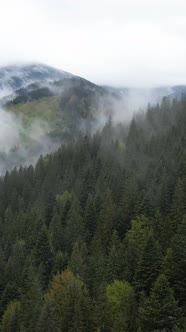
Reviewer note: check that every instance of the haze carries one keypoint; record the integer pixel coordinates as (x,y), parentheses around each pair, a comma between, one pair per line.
(116,42)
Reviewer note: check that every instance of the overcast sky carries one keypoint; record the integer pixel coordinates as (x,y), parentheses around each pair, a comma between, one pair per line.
(120,42)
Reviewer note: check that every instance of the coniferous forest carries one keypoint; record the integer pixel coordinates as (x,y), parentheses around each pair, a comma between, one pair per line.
(93,238)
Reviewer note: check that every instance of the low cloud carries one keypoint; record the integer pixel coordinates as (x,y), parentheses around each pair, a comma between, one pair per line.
(20,144)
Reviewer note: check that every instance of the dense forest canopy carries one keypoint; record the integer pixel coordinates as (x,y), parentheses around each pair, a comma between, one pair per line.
(93,238)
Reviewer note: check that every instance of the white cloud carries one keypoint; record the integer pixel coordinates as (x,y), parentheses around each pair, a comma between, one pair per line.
(121,42)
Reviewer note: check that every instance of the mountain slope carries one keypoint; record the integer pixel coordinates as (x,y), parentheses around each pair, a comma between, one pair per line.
(92,228)
(15,77)
(77,99)
(47,107)
(25,83)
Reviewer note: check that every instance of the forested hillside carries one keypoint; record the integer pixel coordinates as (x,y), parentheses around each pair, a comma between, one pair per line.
(93,238)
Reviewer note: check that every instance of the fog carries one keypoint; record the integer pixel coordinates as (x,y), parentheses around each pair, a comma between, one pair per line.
(22,142)
(20,145)
(129,102)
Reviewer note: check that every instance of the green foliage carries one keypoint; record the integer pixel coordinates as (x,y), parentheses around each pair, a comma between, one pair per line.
(44,255)
(114,259)
(90,217)
(134,244)
(175,263)
(149,266)
(100,217)
(160,310)
(106,220)
(121,302)
(69,298)
(10,320)
(78,259)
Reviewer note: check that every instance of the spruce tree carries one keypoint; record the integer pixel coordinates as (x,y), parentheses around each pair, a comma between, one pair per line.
(149,266)
(159,311)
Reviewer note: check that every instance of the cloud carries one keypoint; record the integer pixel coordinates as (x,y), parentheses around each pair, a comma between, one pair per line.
(20,144)
(9,133)
(131,43)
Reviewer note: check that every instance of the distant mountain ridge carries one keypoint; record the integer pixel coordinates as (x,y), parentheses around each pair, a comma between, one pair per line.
(15,77)
(27,82)
(43,107)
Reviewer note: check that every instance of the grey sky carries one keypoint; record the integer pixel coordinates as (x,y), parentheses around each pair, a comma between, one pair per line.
(120,42)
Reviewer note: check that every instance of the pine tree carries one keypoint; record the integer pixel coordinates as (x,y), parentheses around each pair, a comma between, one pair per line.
(48,320)
(106,220)
(78,259)
(114,259)
(30,300)
(11,318)
(74,227)
(149,266)
(60,261)
(178,208)
(68,295)
(90,216)
(56,230)
(160,310)
(134,244)
(44,255)
(121,302)
(175,264)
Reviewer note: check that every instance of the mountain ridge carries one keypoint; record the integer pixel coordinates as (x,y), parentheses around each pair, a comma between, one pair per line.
(18,76)
(21,79)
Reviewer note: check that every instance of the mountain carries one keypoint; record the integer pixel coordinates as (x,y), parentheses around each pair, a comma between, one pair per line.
(15,77)
(25,83)
(78,99)
(40,116)
(68,105)
(42,89)
(45,107)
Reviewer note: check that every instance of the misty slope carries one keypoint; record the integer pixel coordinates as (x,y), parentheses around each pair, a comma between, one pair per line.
(46,107)
(25,83)
(43,115)
(15,77)
(34,80)
(66,87)
(137,98)
(77,100)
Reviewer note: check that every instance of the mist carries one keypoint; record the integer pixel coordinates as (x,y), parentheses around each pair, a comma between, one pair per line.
(22,142)
(20,145)
(129,101)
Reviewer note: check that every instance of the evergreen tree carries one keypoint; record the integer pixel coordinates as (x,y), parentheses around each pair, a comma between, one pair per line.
(90,217)
(43,255)
(78,259)
(160,311)
(48,320)
(121,301)
(106,220)
(68,295)
(149,266)
(114,259)
(134,244)
(175,264)
(11,320)
(178,208)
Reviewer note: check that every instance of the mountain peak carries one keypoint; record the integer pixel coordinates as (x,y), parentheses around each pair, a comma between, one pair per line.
(18,76)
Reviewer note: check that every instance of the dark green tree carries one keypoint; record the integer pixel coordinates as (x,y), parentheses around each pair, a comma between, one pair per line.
(160,311)
(149,266)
